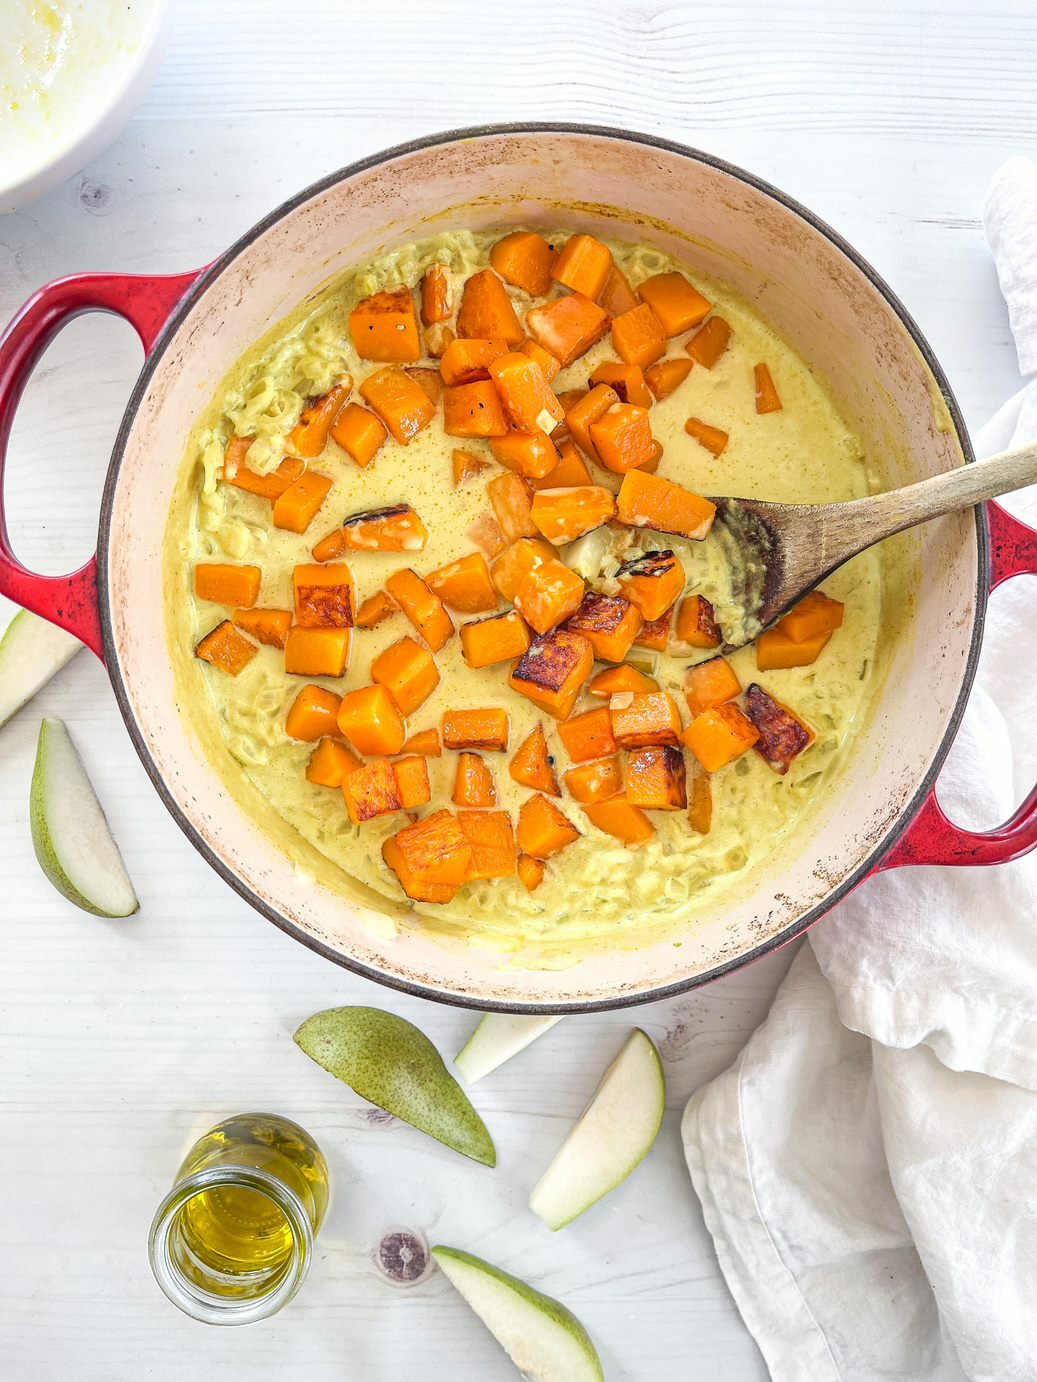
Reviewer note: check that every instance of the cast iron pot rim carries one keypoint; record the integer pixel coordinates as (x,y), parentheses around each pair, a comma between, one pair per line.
(454,998)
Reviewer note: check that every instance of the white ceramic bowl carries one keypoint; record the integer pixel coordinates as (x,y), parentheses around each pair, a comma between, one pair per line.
(91,66)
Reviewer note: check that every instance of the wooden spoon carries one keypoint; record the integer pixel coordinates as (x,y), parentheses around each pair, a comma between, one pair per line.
(782,551)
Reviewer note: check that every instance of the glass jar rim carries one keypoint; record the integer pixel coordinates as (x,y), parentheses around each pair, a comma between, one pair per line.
(204,1305)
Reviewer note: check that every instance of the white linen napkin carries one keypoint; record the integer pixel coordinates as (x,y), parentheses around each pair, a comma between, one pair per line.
(868,1166)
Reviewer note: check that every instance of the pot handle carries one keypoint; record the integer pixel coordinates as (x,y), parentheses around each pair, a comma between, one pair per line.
(931,838)
(145,301)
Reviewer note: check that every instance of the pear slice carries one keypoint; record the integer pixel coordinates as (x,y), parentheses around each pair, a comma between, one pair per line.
(611,1137)
(388,1061)
(69,832)
(498,1037)
(32,650)
(544,1340)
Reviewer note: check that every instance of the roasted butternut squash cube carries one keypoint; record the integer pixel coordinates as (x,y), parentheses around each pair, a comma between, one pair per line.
(395,528)
(543,830)
(330,764)
(530,454)
(643,719)
(623,438)
(720,735)
(412,782)
(775,650)
(696,624)
(595,781)
(656,779)
(466,466)
(384,326)
(549,594)
(568,326)
(783,735)
(714,439)
(422,606)
(401,403)
(512,500)
(473,782)
(767,399)
(552,671)
(567,513)
(408,672)
(425,742)
(667,376)
(295,509)
(637,336)
(583,265)
(815,614)
(317,652)
(431,858)
(532,764)
(324,596)
(619,818)
(648,501)
(530,403)
(709,342)
(371,721)
(675,301)
(268,626)
(499,638)
(627,380)
(224,647)
(313,714)
(310,434)
(653,581)
(487,311)
(588,735)
(617,296)
(492,837)
(614,680)
(371,791)
(428,379)
(655,633)
(225,584)
(466,361)
(611,624)
(485,728)
(271,486)
(375,610)
(473,410)
(570,472)
(464,584)
(531,872)
(585,411)
(435,294)
(524,260)
(544,358)
(510,569)
(359,433)
(710,683)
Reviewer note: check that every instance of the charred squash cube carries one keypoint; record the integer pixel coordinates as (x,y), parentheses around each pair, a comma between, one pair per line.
(783,735)
(656,779)
(653,582)
(611,624)
(431,858)
(324,596)
(371,791)
(553,669)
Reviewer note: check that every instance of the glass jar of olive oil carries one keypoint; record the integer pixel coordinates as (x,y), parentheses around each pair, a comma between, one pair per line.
(232,1241)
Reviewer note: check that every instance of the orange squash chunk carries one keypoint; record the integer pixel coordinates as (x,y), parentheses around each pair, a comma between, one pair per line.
(642,720)
(486,311)
(783,735)
(408,672)
(320,652)
(776,650)
(324,596)
(531,872)
(486,533)
(465,361)
(466,465)
(359,433)
(547,362)
(524,260)
(473,782)
(313,714)
(570,472)
(435,294)
(709,342)
(569,512)
(412,783)
(614,680)
(568,326)
(237,473)
(485,728)
(310,434)
(637,336)
(648,501)
(513,565)
(533,766)
(617,296)
(653,582)
(371,791)
(543,830)
(497,639)
(294,510)
(583,265)
(422,606)
(529,401)
(396,528)
(225,584)
(371,721)
(623,439)
(627,380)
(610,623)
(655,633)
(473,410)
(696,624)
(437,338)
(375,609)
(431,858)
(512,500)
(588,735)
(552,671)
(401,403)
(330,764)
(268,626)
(714,439)
(617,817)
(586,411)
(595,781)
(425,742)
(224,647)
(656,779)
(700,811)
(465,584)
(492,837)
(677,303)
(530,454)
(549,594)
(719,736)
(428,379)
(384,327)
(815,614)
(767,400)
(667,376)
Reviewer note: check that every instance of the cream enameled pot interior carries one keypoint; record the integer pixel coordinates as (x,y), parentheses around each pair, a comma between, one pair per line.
(795,277)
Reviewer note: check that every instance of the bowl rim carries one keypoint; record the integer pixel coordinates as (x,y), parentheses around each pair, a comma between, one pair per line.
(453,998)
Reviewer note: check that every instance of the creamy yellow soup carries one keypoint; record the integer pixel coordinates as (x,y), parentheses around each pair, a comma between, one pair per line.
(597,889)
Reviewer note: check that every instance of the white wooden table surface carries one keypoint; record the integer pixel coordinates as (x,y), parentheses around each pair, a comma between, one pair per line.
(121,1041)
